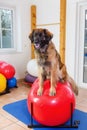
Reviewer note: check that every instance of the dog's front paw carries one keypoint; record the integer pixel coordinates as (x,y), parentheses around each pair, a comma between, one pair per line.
(52,92)
(40,91)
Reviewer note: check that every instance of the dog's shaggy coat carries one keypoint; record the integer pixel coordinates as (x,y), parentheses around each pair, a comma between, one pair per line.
(49,62)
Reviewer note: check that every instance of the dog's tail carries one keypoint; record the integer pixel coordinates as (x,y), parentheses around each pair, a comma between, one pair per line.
(73,84)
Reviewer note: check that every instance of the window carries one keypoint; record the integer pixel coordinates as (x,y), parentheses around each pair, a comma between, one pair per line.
(6,29)
(82,44)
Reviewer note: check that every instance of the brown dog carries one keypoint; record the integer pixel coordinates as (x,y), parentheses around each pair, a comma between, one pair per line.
(49,61)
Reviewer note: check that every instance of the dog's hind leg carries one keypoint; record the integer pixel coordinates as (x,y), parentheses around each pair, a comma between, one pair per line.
(63,77)
(73,84)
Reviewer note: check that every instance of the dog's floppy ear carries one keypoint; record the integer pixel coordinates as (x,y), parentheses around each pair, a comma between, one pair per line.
(31,36)
(48,34)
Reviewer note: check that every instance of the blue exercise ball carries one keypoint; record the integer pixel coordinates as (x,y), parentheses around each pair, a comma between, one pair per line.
(11,83)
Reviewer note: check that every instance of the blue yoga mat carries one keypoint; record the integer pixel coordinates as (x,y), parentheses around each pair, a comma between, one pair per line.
(19,110)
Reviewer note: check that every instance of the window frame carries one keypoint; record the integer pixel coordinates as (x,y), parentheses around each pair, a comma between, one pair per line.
(81,7)
(14,49)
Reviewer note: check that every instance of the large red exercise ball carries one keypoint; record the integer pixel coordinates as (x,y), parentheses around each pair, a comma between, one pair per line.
(7,70)
(32,67)
(2,83)
(11,83)
(51,110)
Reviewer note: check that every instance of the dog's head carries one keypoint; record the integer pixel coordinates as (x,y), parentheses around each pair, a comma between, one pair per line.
(40,38)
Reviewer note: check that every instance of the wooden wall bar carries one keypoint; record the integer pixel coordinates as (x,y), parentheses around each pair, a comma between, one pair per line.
(62,29)
(33,26)
(49,24)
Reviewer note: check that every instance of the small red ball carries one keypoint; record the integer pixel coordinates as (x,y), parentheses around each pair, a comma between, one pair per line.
(51,110)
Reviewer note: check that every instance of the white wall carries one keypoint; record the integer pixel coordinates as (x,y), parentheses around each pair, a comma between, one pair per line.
(19,60)
(70,36)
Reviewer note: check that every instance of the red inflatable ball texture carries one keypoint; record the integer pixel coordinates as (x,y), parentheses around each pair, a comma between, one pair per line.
(51,110)
(7,70)
(2,63)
